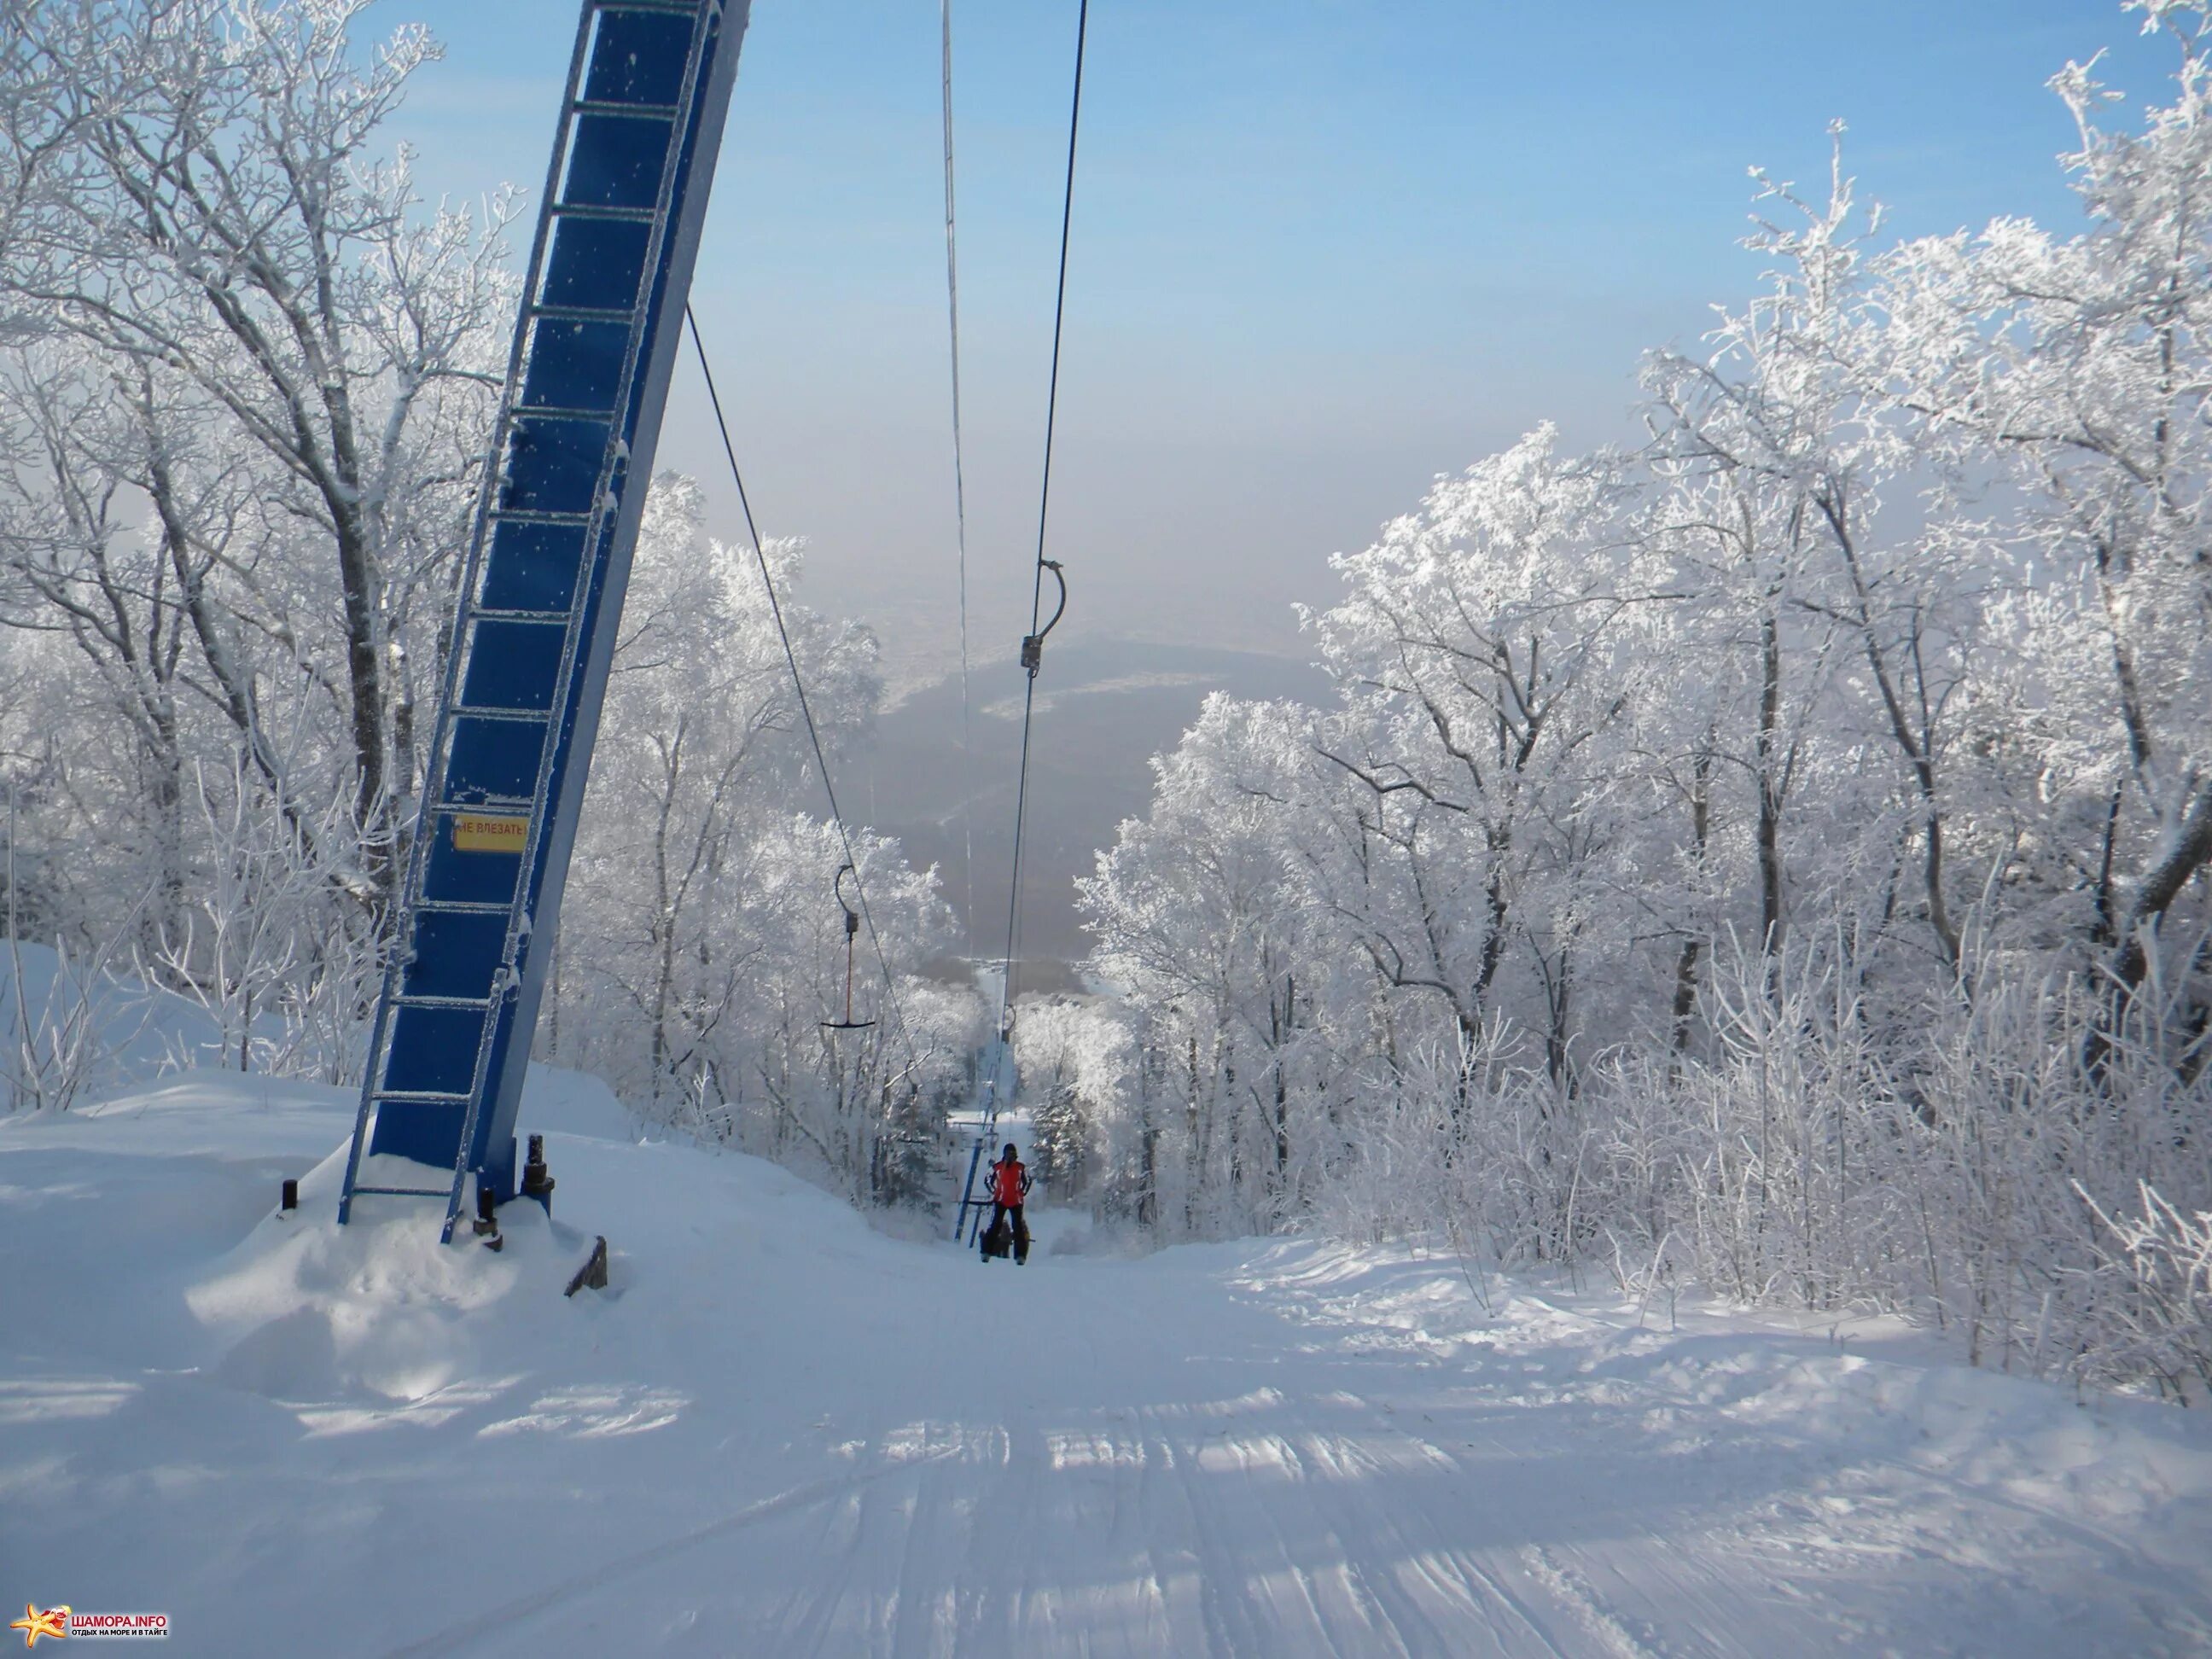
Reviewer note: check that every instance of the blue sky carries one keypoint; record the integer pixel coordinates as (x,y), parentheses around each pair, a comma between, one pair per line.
(1321,252)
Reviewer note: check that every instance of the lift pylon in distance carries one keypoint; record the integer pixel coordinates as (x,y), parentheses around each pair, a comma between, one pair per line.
(595,347)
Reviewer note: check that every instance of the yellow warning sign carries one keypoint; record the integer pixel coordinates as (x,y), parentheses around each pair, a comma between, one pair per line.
(477,832)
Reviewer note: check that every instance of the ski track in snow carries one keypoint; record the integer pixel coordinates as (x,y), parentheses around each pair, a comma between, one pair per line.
(782,1434)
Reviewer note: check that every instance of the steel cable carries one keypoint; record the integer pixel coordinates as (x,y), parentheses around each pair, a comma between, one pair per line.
(1044,504)
(798,687)
(959,504)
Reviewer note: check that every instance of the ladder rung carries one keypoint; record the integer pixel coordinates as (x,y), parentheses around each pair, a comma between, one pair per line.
(639,216)
(585,313)
(419,1098)
(608,107)
(459,907)
(493,613)
(406,1192)
(411,999)
(494,712)
(518,515)
(563,412)
(678,7)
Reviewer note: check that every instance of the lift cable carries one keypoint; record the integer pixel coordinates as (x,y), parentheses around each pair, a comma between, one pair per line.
(1033,645)
(799,686)
(959,504)
(970,1213)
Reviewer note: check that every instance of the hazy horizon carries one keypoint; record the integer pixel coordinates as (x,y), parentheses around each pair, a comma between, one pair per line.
(1318,257)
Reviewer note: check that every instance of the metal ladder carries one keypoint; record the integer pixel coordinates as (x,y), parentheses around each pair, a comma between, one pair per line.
(595,343)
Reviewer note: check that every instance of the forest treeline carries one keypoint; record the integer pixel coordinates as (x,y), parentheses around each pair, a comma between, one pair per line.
(1773,853)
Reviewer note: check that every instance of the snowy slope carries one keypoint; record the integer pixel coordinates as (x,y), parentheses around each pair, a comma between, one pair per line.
(779,1432)
(118,1028)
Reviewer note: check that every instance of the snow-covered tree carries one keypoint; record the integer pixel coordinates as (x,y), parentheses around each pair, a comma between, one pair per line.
(1781,853)
(2077,365)
(220,235)
(702,942)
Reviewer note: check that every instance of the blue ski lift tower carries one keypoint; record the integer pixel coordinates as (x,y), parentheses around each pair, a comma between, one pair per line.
(533,638)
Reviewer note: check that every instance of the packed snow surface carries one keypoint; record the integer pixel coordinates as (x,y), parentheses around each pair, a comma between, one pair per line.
(778,1431)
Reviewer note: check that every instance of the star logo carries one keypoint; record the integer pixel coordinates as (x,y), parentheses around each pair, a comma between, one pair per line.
(54,1622)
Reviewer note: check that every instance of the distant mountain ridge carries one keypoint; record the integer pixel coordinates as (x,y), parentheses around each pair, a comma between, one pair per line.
(1103,708)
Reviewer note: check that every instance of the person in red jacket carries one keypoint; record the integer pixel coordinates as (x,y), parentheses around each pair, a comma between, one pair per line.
(1010,1186)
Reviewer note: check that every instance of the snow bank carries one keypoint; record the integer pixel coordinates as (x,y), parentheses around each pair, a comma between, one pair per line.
(1888,1388)
(778,1432)
(309,1310)
(69,1032)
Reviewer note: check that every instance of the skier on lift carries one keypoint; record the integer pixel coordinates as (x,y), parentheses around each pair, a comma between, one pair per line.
(1010,1186)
